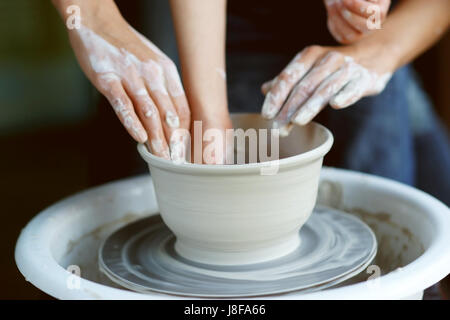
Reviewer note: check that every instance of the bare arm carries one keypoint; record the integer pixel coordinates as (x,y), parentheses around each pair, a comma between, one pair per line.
(200,30)
(412,27)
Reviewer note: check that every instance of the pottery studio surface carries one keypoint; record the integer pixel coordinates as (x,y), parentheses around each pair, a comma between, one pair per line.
(409,226)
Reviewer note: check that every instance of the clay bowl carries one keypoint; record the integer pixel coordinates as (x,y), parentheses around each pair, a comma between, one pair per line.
(240,214)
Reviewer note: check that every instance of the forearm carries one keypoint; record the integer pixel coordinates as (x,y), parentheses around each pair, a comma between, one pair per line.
(413,27)
(91,11)
(200,31)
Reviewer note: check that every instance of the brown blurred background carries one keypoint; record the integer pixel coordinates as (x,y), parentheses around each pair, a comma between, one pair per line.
(58,136)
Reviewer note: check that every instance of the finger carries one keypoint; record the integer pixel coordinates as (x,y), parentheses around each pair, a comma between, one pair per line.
(384,7)
(178,97)
(362,8)
(176,91)
(339,27)
(356,21)
(335,32)
(170,122)
(111,87)
(286,80)
(148,113)
(267,85)
(363,82)
(326,90)
(351,93)
(303,90)
(155,80)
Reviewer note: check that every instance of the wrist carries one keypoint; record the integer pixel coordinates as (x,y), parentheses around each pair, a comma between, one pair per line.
(378,53)
(206,93)
(208,112)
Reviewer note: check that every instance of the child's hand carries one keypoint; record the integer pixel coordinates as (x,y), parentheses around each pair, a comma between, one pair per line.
(349,20)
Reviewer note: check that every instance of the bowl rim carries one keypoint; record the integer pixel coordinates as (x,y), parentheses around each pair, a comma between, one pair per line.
(296,160)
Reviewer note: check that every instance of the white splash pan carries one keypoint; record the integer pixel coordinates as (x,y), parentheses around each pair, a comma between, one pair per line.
(412,229)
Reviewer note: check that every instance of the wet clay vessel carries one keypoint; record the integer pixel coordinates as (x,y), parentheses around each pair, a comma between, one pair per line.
(240,214)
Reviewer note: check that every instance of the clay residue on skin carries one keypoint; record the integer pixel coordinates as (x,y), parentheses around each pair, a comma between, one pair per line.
(301,91)
(172,120)
(221,73)
(148,113)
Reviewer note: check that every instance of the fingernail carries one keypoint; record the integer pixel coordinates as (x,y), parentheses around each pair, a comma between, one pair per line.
(338,38)
(148,113)
(143,137)
(269,109)
(177,152)
(139,132)
(346,14)
(331,2)
(178,148)
(350,37)
(172,120)
(304,116)
(165,155)
(339,102)
(158,147)
(283,129)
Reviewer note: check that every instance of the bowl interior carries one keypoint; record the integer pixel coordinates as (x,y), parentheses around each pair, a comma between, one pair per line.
(301,139)
(302,145)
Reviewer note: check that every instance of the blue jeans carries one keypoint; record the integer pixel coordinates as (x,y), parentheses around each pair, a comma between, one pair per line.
(394,134)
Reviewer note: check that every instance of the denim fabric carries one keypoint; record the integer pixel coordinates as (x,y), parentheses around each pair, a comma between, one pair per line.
(431,143)
(394,134)
(375,135)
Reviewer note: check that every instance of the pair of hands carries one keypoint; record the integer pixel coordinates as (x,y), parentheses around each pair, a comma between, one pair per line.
(144,88)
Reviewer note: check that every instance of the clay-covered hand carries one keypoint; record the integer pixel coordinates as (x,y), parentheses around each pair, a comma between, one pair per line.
(349,20)
(318,76)
(141,83)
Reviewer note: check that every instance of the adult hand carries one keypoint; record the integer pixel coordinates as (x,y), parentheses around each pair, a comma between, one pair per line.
(349,20)
(318,76)
(141,82)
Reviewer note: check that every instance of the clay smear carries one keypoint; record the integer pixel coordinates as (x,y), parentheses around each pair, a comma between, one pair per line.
(299,93)
(144,80)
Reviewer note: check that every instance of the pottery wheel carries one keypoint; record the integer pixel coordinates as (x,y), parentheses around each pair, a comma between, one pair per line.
(334,247)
